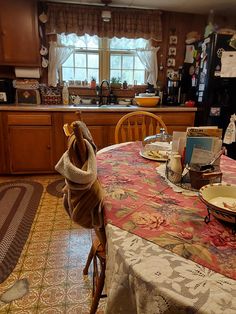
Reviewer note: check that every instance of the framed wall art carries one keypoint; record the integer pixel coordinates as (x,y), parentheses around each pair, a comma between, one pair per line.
(173,39)
(170,62)
(172,51)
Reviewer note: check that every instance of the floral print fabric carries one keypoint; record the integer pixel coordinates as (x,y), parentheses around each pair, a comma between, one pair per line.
(139,201)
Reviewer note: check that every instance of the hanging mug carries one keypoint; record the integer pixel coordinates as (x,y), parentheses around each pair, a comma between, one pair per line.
(44,62)
(43,51)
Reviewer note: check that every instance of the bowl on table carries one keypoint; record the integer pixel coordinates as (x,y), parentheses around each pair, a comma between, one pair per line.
(220,200)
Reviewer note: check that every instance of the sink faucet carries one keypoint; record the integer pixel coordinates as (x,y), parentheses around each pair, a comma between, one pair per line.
(101,96)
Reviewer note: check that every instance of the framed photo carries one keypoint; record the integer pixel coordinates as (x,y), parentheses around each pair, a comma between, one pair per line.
(172,51)
(170,73)
(215,111)
(170,62)
(173,40)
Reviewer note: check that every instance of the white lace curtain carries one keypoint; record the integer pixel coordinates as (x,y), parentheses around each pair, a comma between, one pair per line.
(148,57)
(57,56)
(58,53)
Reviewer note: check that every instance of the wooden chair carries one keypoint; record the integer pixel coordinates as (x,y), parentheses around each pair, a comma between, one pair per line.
(97,255)
(97,252)
(135,126)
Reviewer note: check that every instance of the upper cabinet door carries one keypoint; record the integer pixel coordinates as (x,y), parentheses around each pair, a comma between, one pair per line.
(19,38)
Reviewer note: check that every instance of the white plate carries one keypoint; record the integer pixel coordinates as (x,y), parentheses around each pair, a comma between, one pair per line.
(150,157)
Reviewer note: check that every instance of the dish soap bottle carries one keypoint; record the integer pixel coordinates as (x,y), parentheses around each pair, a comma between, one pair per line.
(65,94)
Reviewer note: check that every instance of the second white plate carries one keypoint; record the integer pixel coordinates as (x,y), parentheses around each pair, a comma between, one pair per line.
(150,157)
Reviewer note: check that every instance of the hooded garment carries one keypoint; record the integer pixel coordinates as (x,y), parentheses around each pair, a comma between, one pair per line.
(82,192)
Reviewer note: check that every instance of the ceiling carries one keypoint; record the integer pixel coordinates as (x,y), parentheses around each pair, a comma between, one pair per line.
(222,7)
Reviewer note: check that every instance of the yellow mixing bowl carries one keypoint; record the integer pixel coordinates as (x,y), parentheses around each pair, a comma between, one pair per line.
(147,101)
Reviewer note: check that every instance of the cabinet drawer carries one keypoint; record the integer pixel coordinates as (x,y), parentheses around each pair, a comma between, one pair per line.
(180,118)
(29,119)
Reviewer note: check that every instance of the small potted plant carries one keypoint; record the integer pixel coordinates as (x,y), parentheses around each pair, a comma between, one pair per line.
(115,82)
(93,82)
(125,85)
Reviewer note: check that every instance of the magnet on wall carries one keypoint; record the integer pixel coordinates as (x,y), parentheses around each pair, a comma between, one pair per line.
(43,17)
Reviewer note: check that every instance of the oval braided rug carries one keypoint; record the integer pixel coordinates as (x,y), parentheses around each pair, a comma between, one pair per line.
(19,201)
(55,188)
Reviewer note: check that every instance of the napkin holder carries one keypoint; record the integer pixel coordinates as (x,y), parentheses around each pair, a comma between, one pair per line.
(199,178)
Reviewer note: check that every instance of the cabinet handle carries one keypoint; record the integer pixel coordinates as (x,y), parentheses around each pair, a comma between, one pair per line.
(48,146)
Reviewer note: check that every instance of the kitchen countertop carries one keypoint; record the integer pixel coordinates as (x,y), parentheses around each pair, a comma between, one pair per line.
(90,108)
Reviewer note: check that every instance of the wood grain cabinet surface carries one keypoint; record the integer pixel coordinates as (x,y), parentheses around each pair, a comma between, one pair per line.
(30,143)
(19,39)
(33,141)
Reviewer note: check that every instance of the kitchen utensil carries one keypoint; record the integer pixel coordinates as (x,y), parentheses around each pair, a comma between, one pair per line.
(210,165)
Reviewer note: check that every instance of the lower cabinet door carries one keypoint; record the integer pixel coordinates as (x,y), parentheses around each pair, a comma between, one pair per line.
(30,149)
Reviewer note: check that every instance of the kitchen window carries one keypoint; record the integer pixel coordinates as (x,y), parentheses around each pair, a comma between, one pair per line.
(103,58)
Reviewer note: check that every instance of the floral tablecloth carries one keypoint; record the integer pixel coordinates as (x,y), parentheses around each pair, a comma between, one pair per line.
(193,266)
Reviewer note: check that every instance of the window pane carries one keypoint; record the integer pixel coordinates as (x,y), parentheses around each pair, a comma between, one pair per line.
(127,43)
(80,60)
(138,64)
(139,77)
(67,74)
(80,74)
(93,60)
(127,76)
(93,73)
(115,62)
(85,41)
(69,62)
(127,62)
(115,73)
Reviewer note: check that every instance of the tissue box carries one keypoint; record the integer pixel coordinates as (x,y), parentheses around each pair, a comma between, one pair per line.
(28,96)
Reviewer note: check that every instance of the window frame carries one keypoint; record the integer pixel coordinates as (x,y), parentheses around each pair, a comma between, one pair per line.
(104,57)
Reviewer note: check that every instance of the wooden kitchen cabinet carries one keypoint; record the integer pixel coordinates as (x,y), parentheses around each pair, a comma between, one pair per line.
(30,139)
(2,148)
(98,131)
(102,124)
(19,39)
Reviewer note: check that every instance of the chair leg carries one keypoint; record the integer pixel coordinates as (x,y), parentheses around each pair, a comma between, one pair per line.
(99,284)
(89,260)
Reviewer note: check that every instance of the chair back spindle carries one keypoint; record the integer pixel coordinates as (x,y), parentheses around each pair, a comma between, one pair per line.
(135,126)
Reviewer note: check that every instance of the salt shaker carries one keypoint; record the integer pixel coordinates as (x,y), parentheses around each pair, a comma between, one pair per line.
(175,168)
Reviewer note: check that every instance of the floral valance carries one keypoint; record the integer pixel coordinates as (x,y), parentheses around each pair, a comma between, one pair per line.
(125,22)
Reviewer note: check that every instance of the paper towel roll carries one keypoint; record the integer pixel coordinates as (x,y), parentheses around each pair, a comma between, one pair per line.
(27,72)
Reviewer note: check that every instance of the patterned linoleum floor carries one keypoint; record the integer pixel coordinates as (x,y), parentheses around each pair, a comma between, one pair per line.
(52,260)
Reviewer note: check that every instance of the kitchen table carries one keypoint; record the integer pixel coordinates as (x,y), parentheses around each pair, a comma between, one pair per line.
(161,255)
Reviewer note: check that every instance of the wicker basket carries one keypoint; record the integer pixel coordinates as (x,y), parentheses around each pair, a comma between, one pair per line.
(51,95)
(51,99)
